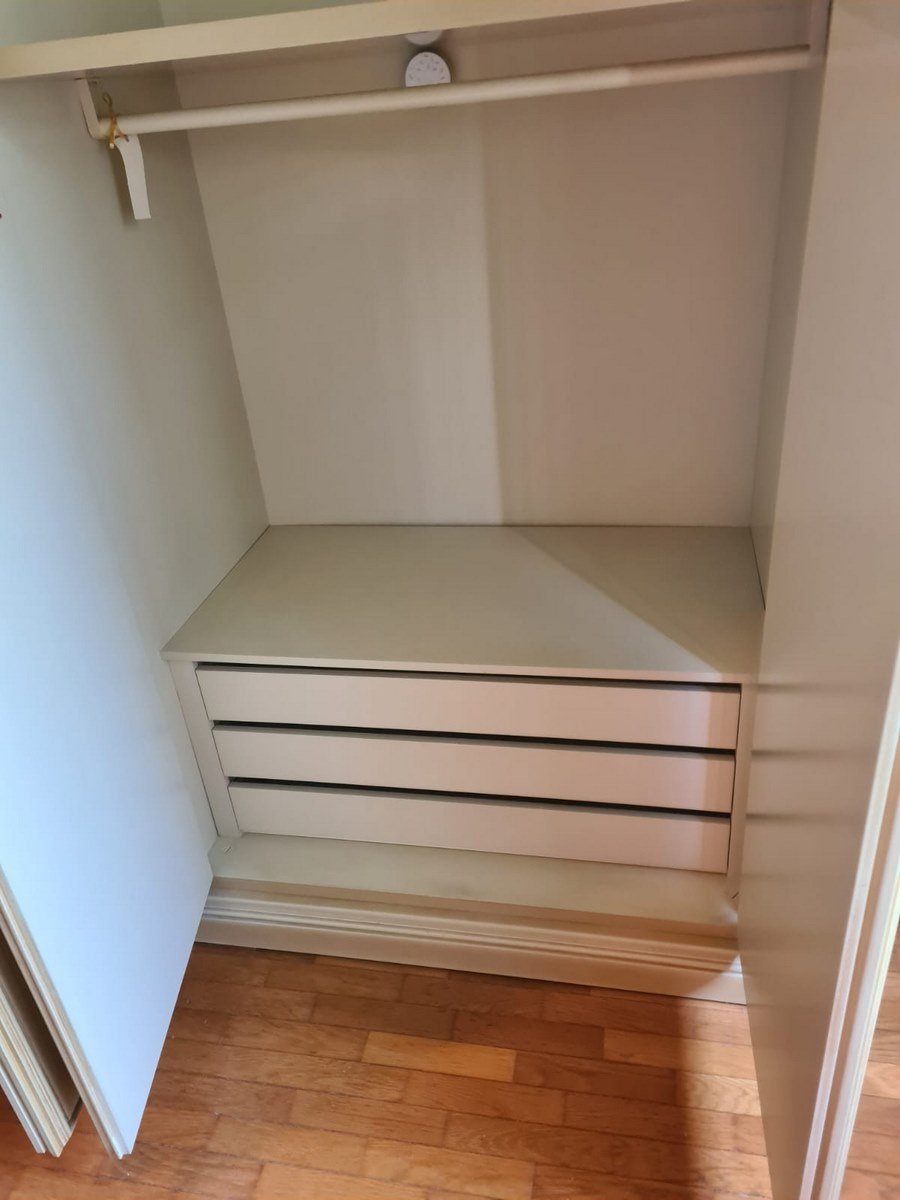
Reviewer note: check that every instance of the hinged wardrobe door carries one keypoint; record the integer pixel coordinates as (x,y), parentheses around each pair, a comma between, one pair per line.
(103,870)
(826,723)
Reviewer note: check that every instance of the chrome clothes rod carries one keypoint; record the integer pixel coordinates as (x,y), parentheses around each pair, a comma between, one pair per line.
(122,132)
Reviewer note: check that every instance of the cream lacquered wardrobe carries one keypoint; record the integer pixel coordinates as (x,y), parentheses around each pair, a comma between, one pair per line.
(454,525)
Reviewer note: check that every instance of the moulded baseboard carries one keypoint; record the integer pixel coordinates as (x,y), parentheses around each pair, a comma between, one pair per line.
(587,953)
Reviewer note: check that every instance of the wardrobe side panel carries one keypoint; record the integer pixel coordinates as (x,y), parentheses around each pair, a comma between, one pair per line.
(799,157)
(833,616)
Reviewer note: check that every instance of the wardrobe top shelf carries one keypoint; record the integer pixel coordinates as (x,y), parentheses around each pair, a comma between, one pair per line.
(603,602)
(352,20)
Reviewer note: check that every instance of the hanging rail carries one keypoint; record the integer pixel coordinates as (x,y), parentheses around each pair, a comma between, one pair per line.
(123,131)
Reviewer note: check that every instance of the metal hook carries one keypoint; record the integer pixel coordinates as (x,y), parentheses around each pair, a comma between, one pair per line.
(114,131)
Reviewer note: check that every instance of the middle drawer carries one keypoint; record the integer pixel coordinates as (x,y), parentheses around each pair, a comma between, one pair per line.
(692,781)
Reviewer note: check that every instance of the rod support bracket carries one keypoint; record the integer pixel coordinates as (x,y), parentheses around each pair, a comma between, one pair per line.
(128,146)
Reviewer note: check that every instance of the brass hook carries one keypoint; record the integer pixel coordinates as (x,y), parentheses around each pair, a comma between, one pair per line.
(114,131)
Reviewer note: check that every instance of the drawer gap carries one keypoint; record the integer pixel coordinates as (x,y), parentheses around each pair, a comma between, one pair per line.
(426,735)
(492,798)
(637,685)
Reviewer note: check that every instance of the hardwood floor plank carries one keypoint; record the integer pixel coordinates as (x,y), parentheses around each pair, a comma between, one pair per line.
(226,1097)
(222,1176)
(665,1122)
(280,1182)
(882,1079)
(37,1184)
(474,995)
(199,1026)
(447,1058)
(526,1033)
(875,1152)
(169,1127)
(683,1054)
(286,1070)
(418,1020)
(719,1093)
(485,1098)
(667,1015)
(296,1037)
(365,964)
(866,1185)
(878,1114)
(402,1122)
(601,1078)
(566,1183)
(626,1157)
(471,1174)
(245,1000)
(226,964)
(885,1045)
(328,979)
(264,1142)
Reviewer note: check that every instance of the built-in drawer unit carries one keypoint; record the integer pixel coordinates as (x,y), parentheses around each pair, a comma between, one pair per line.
(566,831)
(500,706)
(613,771)
(680,779)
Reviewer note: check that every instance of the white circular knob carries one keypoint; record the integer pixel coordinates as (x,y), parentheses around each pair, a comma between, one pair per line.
(425,68)
(428,38)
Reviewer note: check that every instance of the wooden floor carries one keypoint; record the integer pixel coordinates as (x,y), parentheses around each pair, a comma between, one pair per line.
(300,1078)
(873,1169)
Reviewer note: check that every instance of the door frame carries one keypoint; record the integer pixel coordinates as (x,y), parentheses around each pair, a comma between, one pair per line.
(32,1073)
(868,943)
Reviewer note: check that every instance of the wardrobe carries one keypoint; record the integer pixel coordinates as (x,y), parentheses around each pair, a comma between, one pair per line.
(455,524)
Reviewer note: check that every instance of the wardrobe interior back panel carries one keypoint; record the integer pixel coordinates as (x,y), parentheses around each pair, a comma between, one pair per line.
(547,311)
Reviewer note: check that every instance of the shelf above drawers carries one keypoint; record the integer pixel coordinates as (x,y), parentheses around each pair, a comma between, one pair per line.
(651,714)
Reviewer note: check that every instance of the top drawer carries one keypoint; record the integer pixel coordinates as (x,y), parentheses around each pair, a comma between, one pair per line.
(501,706)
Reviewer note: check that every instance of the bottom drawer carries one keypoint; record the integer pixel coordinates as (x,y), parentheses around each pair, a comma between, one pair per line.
(689,843)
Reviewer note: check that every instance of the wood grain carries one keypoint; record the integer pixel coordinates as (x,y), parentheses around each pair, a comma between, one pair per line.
(602,1078)
(287,1144)
(369,1118)
(449,1058)
(329,980)
(313,1079)
(567,1183)
(477,1174)
(674,1017)
(874,1158)
(486,1098)
(279,1182)
(419,1020)
(628,1157)
(282,1069)
(524,1033)
(686,1054)
(665,1122)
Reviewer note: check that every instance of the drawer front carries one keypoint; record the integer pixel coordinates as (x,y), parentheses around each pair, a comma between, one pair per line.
(649,778)
(678,841)
(652,714)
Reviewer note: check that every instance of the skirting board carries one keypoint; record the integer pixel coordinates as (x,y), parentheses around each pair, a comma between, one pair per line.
(675,965)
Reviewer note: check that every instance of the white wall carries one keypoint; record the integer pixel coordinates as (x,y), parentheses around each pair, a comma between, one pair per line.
(44,20)
(833,616)
(799,158)
(549,311)
(127,489)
